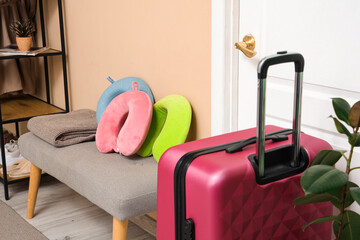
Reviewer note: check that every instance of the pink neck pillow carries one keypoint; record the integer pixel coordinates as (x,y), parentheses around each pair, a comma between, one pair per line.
(125,123)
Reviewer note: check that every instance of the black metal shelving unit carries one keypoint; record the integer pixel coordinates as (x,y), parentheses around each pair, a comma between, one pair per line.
(15,110)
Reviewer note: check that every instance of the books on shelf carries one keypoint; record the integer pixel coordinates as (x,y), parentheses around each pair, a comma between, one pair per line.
(12,50)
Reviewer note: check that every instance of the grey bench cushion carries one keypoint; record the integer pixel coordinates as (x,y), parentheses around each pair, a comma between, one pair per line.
(124,187)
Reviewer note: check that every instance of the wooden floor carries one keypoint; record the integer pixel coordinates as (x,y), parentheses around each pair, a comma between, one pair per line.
(62,214)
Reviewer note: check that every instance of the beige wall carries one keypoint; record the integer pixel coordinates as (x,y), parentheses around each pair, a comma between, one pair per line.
(164,42)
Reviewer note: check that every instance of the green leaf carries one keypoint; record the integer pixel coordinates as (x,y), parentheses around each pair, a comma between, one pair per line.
(335,226)
(327,157)
(322,178)
(342,109)
(341,127)
(351,226)
(320,220)
(337,194)
(355,140)
(355,193)
(316,198)
(333,196)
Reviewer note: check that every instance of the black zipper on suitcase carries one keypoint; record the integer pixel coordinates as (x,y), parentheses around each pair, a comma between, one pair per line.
(185,228)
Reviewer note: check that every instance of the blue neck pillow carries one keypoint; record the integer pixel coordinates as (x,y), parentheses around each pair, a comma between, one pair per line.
(117,88)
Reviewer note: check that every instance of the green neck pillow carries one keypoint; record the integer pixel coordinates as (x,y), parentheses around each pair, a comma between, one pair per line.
(170,125)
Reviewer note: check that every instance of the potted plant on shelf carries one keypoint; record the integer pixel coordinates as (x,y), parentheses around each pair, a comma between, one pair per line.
(322,182)
(23,31)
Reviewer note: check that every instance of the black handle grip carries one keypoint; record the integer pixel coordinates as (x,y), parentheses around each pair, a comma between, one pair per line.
(239,147)
(280,57)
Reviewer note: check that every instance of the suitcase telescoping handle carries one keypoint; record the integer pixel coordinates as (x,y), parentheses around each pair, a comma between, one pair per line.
(263,66)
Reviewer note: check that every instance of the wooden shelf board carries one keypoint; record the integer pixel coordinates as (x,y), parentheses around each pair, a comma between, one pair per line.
(17,179)
(25,107)
(49,52)
(13,178)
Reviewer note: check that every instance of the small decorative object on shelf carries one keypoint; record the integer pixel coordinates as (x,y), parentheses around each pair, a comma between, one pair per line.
(23,31)
(12,50)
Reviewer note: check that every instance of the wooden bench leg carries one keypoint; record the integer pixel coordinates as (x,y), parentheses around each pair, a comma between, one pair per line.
(35,176)
(119,229)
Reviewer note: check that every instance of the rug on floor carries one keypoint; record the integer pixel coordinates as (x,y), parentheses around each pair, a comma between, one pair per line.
(14,227)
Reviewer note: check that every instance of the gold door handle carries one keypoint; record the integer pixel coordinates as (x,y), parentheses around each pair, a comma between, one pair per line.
(247,46)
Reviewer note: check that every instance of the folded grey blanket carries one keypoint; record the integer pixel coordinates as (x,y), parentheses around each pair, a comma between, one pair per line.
(67,129)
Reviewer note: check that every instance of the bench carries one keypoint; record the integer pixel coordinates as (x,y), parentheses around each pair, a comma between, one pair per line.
(125,187)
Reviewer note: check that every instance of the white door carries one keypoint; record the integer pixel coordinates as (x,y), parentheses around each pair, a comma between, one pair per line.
(327,33)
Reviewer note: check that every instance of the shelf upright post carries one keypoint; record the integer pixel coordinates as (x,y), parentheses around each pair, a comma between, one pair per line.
(17,129)
(46,68)
(2,142)
(63,55)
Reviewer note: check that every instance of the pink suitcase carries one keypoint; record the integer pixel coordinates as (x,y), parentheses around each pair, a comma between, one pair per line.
(220,188)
